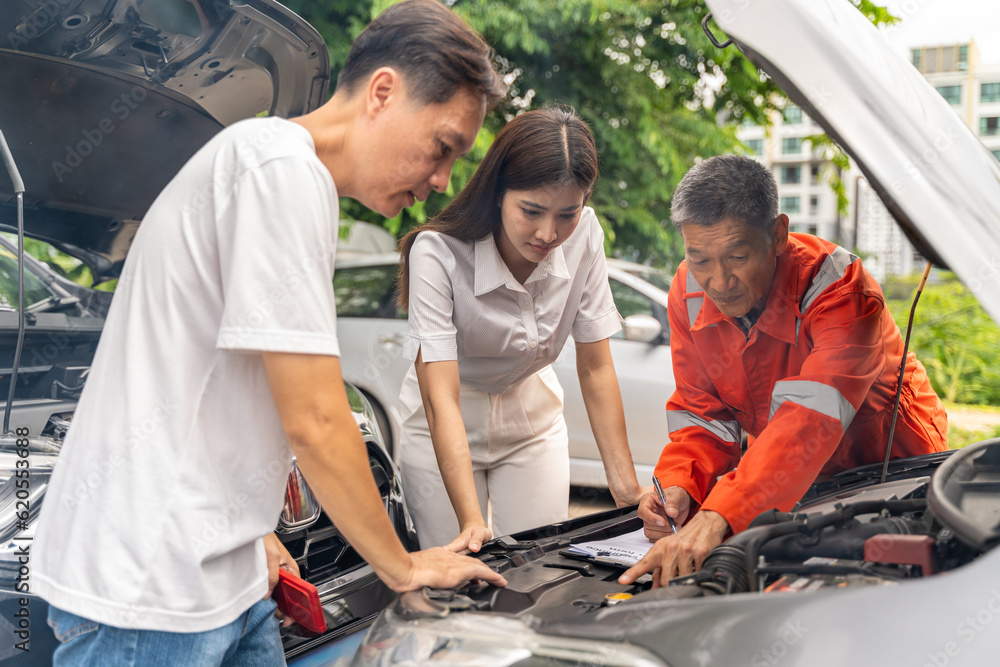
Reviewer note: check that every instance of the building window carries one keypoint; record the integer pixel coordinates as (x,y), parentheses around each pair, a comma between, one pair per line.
(990,92)
(813,204)
(812,229)
(963,58)
(814,174)
(791,175)
(792,115)
(989,125)
(755,146)
(996,154)
(915,54)
(952,94)
(791,204)
(790,145)
(930,61)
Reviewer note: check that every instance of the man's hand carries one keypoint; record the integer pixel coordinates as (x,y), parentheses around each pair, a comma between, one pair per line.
(471,538)
(680,554)
(654,514)
(440,568)
(277,558)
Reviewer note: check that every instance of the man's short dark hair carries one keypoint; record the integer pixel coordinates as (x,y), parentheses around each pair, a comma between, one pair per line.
(436,52)
(726,187)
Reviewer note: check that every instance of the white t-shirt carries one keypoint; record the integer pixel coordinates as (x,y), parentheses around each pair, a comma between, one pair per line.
(176,463)
(465,304)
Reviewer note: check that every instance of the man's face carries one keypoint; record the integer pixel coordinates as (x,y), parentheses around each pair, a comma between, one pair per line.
(416,145)
(733,262)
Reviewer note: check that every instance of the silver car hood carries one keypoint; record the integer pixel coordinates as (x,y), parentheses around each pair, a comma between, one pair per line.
(936,178)
(103,102)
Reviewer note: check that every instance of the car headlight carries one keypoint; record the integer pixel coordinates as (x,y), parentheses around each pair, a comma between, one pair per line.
(15,521)
(486,640)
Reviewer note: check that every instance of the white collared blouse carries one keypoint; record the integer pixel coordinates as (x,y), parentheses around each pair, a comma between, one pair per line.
(466,305)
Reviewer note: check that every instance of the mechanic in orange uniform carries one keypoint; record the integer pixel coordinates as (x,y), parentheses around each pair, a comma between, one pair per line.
(784,337)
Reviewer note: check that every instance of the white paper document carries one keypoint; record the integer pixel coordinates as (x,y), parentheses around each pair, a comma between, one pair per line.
(625,550)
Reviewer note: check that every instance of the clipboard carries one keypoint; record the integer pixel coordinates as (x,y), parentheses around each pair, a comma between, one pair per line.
(622,551)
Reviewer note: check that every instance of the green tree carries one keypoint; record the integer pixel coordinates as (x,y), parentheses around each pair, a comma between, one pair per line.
(641,73)
(655,91)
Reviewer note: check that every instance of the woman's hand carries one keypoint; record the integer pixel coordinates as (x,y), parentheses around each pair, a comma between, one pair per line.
(631,495)
(471,538)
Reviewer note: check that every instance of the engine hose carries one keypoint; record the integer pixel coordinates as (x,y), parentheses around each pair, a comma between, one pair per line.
(724,570)
(773,524)
(812,523)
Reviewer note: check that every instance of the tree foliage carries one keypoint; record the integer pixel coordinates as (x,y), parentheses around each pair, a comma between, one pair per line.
(640,72)
(953,336)
(655,91)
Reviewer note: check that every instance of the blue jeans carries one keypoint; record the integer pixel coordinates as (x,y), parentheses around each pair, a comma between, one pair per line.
(251,640)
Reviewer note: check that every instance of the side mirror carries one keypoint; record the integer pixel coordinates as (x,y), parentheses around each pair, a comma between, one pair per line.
(643,328)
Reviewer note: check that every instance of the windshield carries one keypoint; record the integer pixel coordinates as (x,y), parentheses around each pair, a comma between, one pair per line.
(655,278)
(34,289)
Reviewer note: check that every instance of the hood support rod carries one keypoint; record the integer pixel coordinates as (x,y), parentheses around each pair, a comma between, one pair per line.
(15,177)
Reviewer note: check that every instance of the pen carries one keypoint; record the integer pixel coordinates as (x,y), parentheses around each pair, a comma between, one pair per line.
(659,491)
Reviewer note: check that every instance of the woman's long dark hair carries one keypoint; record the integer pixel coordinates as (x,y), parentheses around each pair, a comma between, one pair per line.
(541,148)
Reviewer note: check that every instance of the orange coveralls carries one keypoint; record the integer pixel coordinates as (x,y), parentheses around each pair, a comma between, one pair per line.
(813,383)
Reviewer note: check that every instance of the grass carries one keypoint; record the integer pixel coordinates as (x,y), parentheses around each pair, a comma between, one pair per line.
(960,437)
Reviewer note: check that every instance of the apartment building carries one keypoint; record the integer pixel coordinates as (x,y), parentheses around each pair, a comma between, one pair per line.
(970,86)
(801,171)
(956,72)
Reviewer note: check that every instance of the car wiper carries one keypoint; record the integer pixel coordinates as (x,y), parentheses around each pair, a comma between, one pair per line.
(52,304)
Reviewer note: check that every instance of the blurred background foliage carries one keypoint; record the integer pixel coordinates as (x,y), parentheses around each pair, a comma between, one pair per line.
(953,336)
(655,91)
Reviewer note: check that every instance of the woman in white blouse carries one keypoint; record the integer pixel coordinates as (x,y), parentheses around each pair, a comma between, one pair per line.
(494,285)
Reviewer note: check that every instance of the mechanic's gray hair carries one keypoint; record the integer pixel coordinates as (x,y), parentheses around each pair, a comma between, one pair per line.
(726,186)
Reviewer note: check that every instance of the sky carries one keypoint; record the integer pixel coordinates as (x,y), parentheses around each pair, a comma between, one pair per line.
(940,22)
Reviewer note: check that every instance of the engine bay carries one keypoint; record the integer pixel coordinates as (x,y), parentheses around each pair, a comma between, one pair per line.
(912,526)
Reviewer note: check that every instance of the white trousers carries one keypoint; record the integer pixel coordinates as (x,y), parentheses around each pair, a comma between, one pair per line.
(520,458)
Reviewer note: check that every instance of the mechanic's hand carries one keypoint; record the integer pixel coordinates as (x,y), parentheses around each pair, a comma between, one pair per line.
(680,554)
(440,568)
(278,557)
(654,514)
(471,538)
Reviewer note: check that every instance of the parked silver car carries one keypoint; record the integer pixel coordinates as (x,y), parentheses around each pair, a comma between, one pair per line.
(371,330)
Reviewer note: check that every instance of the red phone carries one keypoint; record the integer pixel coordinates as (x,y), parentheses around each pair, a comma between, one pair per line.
(299,600)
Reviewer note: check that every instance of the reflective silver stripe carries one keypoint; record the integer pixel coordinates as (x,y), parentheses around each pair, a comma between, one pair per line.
(694,304)
(833,269)
(725,431)
(817,396)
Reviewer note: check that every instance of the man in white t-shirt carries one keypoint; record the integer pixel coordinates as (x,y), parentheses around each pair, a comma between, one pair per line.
(219,361)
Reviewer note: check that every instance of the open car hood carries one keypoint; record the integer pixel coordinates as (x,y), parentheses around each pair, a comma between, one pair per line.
(936,178)
(103,102)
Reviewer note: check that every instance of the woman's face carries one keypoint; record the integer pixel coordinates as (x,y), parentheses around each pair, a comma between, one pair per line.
(536,222)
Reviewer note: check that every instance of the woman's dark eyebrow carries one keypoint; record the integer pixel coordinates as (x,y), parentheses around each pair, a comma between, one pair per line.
(545,208)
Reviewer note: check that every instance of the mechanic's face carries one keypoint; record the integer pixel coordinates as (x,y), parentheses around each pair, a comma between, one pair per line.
(536,222)
(733,262)
(416,146)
